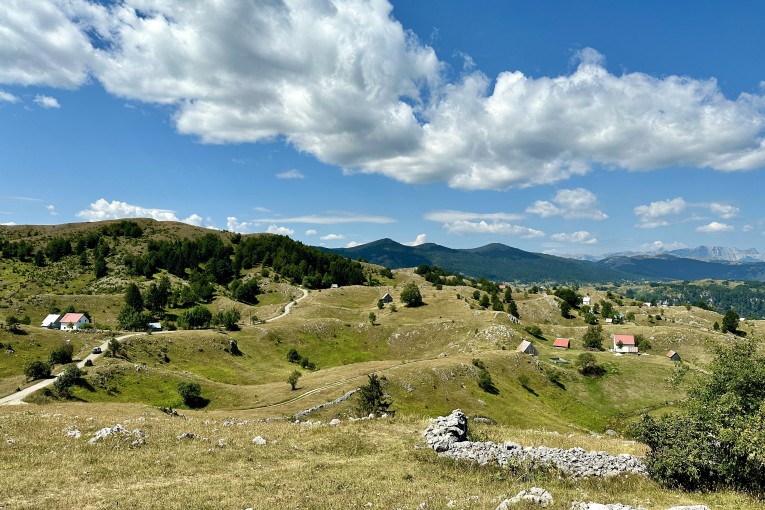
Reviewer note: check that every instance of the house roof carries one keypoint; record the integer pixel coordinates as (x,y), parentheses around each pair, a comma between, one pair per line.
(562,342)
(72,317)
(523,346)
(671,353)
(624,339)
(50,319)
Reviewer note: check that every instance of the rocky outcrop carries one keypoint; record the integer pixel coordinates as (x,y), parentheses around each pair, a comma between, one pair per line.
(448,436)
(446,431)
(119,430)
(534,495)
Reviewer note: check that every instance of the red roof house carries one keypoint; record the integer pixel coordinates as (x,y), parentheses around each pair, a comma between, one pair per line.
(72,321)
(627,343)
(562,343)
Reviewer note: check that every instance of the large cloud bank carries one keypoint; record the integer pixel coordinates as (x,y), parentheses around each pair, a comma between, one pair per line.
(344,81)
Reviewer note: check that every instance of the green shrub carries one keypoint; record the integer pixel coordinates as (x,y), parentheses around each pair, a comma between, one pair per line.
(37,370)
(66,380)
(190,392)
(486,383)
(719,440)
(61,355)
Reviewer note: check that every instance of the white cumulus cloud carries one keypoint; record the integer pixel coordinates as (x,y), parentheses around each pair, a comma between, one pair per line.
(332,237)
(715,227)
(51,209)
(311,232)
(7,97)
(655,214)
(576,203)
(352,244)
(724,211)
(420,239)
(47,102)
(580,237)
(101,210)
(282,231)
(498,227)
(346,82)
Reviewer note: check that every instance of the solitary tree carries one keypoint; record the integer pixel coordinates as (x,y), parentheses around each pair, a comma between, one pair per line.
(730,322)
(190,393)
(293,379)
(411,295)
(372,397)
(593,338)
(565,308)
(372,318)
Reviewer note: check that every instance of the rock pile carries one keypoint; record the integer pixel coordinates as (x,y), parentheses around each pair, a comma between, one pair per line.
(448,436)
(119,430)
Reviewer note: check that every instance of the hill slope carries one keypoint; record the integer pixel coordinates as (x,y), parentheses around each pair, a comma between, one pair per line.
(493,261)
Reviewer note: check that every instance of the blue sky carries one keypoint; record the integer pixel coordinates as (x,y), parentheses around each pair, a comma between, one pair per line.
(560,127)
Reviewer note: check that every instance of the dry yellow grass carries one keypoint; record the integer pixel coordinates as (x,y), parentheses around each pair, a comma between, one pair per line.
(370,464)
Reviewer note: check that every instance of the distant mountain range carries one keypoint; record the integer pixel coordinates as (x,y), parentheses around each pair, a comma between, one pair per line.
(708,253)
(504,263)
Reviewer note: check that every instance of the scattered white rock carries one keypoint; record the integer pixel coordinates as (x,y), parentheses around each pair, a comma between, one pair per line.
(74,433)
(257,440)
(221,443)
(689,507)
(335,422)
(10,441)
(186,435)
(534,495)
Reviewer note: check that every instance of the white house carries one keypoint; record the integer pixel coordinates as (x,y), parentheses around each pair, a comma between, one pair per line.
(387,298)
(586,300)
(73,321)
(51,321)
(625,344)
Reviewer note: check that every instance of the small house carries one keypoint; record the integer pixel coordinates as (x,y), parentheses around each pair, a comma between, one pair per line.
(586,300)
(502,286)
(387,298)
(625,344)
(562,343)
(51,321)
(154,326)
(333,286)
(609,320)
(527,347)
(673,356)
(73,321)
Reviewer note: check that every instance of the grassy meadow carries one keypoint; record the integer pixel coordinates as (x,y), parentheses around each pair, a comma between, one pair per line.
(428,356)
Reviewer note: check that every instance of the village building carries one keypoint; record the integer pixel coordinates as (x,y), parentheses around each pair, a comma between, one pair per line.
(586,300)
(625,344)
(562,343)
(672,355)
(73,321)
(527,347)
(51,321)
(387,298)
